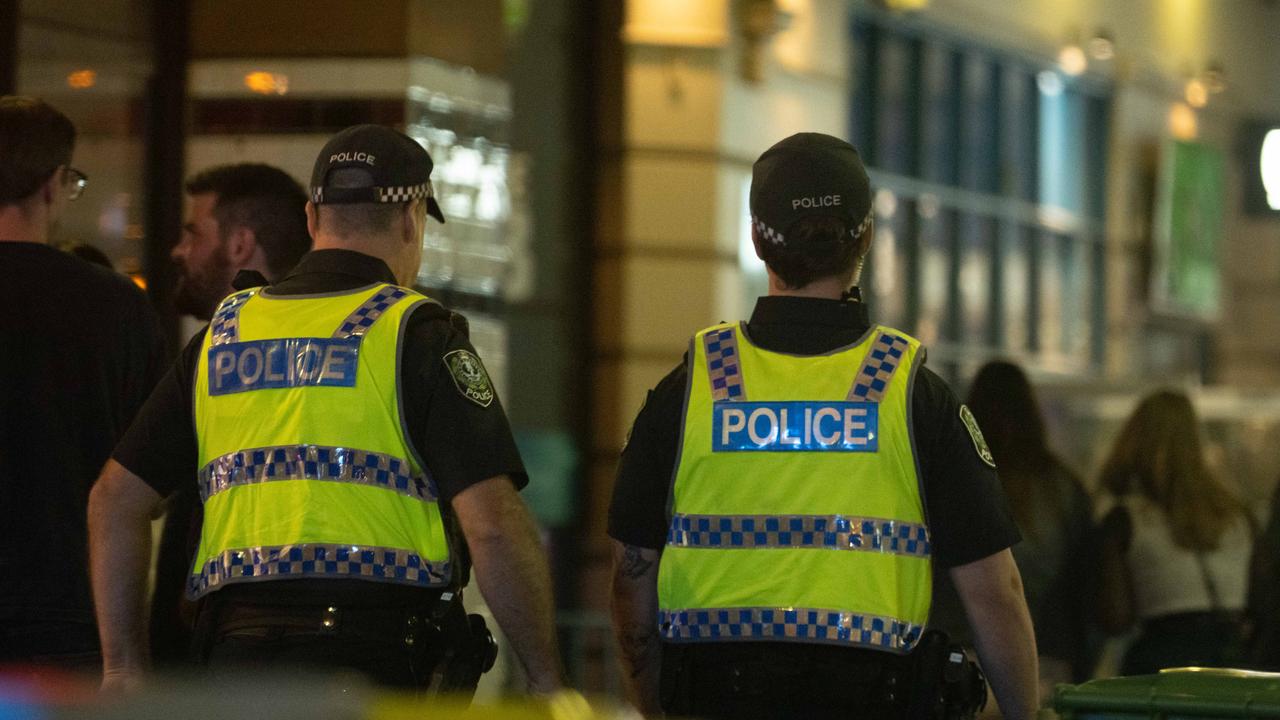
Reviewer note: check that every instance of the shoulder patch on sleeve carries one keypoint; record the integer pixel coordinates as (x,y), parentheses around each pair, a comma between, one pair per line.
(979,442)
(470,377)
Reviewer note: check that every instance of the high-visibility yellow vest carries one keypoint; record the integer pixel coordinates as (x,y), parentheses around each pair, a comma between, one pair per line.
(306,469)
(796,513)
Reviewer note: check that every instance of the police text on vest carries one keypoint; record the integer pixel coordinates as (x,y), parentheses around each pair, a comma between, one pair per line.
(283,363)
(795,426)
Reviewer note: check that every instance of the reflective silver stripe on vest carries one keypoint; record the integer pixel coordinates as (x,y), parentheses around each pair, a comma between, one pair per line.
(723,367)
(318,560)
(362,318)
(830,532)
(313,462)
(809,625)
(225,326)
(877,369)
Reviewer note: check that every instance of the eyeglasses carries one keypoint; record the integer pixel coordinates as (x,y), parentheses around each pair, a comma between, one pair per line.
(77,180)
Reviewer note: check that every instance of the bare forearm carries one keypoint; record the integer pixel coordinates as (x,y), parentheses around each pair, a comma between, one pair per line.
(516,583)
(991,590)
(635,626)
(119,554)
(1007,647)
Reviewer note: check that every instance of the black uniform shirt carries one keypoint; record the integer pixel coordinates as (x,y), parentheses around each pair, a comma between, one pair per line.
(461,442)
(965,508)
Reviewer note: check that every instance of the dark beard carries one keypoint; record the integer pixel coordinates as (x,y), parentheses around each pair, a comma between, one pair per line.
(198,293)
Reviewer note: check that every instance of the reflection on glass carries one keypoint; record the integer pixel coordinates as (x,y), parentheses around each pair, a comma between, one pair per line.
(1015,277)
(975,279)
(933,278)
(463,119)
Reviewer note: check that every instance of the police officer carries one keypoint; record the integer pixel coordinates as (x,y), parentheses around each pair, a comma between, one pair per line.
(786,492)
(352,457)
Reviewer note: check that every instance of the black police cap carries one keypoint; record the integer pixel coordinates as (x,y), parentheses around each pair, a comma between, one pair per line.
(805,175)
(391,167)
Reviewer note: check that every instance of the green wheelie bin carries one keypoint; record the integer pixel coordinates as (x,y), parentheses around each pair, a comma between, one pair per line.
(1173,694)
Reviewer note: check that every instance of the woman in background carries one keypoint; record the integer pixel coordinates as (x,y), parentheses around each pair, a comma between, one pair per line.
(1054,514)
(1175,543)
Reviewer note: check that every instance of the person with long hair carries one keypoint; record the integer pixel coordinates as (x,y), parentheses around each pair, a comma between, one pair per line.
(1175,543)
(1052,510)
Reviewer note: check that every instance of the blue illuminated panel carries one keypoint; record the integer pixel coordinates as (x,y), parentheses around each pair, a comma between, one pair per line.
(795,426)
(283,363)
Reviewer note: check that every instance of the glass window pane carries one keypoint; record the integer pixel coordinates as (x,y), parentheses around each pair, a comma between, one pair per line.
(893,140)
(1015,287)
(979,121)
(886,271)
(939,153)
(975,279)
(935,266)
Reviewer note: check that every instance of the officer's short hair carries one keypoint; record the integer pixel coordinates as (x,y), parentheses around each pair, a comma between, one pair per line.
(817,246)
(35,140)
(265,200)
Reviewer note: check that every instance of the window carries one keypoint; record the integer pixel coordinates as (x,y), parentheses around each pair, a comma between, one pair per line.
(995,164)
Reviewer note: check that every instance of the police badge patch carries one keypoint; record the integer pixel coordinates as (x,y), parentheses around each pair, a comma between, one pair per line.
(470,377)
(979,442)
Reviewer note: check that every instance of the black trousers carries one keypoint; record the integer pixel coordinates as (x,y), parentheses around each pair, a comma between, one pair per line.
(749,681)
(389,647)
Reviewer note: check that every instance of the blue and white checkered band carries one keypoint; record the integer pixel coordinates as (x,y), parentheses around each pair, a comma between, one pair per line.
(318,560)
(314,462)
(722,364)
(766,232)
(791,624)
(877,369)
(862,226)
(403,193)
(363,317)
(225,325)
(823,532)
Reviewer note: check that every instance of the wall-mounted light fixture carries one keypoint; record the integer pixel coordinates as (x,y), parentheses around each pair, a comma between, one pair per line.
(1102,46)
(82,79)
(1072,60)
(758,21)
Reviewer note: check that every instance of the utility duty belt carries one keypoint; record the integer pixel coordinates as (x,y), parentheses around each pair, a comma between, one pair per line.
(936,681)
(451,648)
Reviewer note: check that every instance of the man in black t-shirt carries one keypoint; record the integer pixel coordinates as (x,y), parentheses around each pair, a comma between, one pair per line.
(342,554)
(811,222)
(80,348)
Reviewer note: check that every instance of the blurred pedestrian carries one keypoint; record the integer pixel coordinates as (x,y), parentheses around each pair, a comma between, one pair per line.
(352,456)
(1264,593)
(786,492)
(1175,543)
(80,348)
(1054,513)
(242,217)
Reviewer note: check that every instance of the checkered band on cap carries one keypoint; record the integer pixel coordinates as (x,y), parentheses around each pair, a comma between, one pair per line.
(723,370)
(878,367)
(314,462)
(825,532)
(766,232)
(403,193)
(362,318)
(789,624)
(391,194)
(862,226)
(225,326)
(392,565)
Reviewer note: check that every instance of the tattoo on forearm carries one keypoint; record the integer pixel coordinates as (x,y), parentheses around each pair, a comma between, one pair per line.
(639,643)
(633,563)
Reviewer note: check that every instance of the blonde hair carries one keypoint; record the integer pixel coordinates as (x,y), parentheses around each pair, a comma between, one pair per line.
(1158,454)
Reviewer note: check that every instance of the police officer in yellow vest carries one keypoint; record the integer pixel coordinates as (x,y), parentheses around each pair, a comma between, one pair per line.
(787,492)
(352,456)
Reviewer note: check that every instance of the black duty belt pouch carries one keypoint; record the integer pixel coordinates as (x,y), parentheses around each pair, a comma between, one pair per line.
(945,682)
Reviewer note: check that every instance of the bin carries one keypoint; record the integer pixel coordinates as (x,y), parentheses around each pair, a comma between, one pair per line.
(1173,694)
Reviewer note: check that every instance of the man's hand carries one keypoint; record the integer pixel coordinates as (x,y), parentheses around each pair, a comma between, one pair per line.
(991,590)
(120,508)
(514,578)
(635,623)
